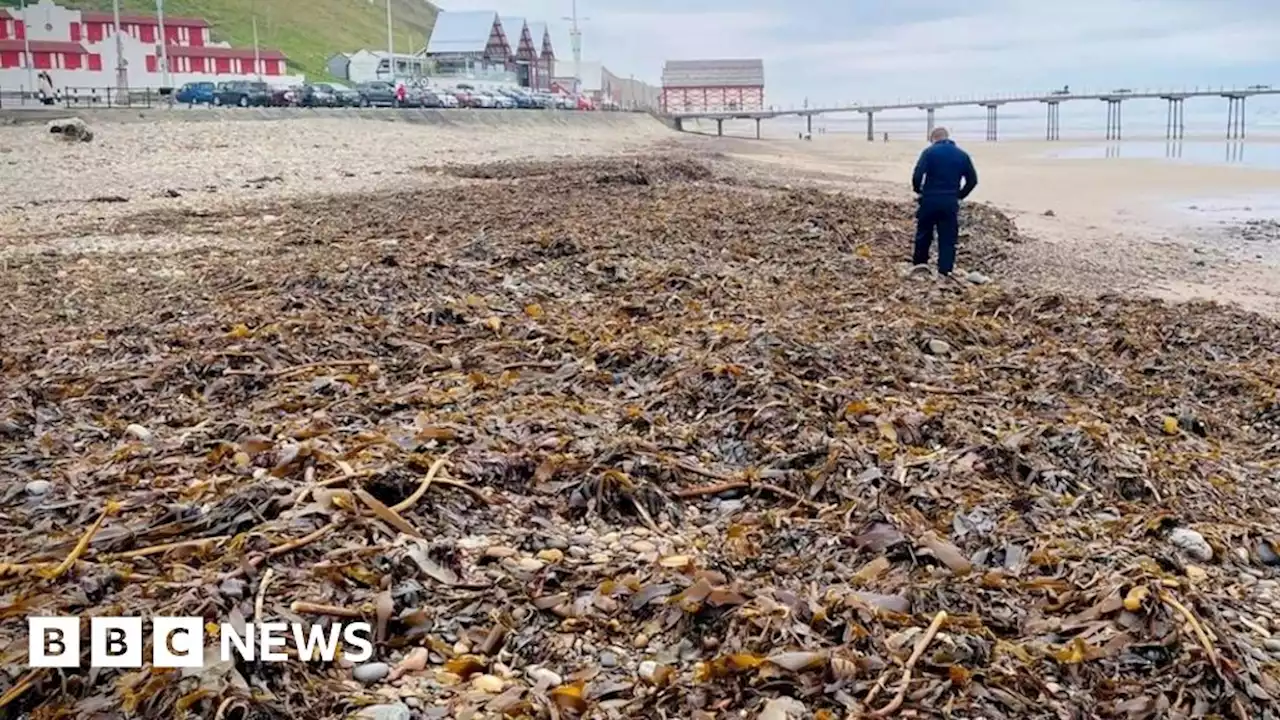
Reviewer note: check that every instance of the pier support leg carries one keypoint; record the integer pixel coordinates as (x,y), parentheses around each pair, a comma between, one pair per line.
(719,128)
(1173,127)
(928,133)
(679,124)
(808,124)
(871,127)
(1113,119)
(1052,128)
(1235,117)
(757,128)
(992,131)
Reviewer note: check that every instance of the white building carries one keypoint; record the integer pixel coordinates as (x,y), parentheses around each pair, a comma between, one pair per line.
(78,50)
(371,65)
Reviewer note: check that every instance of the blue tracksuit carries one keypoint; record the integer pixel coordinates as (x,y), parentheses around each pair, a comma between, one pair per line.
(937,182)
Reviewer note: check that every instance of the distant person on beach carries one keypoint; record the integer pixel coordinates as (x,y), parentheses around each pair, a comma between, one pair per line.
(937,182)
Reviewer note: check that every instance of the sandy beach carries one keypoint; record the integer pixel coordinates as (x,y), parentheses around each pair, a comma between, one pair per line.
(1093,225)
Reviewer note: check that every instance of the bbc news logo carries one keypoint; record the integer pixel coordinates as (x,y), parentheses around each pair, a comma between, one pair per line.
(179,642)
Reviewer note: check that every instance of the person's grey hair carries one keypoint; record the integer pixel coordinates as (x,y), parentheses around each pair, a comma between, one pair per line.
(939,133)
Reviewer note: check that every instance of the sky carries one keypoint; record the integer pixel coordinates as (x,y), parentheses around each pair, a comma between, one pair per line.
(878,51)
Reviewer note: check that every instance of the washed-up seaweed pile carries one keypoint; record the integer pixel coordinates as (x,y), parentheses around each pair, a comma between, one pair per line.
(628,441)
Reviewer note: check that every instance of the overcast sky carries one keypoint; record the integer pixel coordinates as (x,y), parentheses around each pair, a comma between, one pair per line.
(879,50)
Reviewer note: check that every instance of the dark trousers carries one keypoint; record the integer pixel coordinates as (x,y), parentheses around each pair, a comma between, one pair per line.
(942,214)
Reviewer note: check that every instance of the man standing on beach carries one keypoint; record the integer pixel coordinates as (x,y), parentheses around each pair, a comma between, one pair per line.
(937,182)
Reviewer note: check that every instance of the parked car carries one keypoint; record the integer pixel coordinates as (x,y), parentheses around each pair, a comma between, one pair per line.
(481,99)
(584,103)
(447,99)
(377,94)
(1122,91)
(427,98)
(344,96)
(318,95)
(243,94)
(1259,87)
(285,96)
(196,93)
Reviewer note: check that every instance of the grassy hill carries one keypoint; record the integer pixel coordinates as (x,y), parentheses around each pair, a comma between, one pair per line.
(308,32)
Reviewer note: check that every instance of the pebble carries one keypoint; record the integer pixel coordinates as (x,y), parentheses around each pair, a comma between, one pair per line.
(583,539)
(531,564)
(977,278)
(607,538)
(139,432)
(500,551)
(577,551)
(551,555)
(557,543)
(371,672)
(37,488)
(1192,543)
(601,558)
(641,640)
(1242,555)
(546,678)
(393,711)
(782,708)
(608,659)
(643,546)
(489,683)
(232,588)
(1272,644)
(1267,555)
(1247,580)
(938,347)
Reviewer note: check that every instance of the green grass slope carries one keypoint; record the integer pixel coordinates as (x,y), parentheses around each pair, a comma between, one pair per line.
(308,32)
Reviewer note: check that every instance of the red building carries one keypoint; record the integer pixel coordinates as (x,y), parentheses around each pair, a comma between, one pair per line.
(177,30)
(220,61)
(711,86)
(79,49)
(48,55)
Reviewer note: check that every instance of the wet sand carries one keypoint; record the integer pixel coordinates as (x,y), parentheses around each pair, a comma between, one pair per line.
(1172,230)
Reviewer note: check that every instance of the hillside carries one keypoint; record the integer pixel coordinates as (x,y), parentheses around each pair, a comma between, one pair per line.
(309,33)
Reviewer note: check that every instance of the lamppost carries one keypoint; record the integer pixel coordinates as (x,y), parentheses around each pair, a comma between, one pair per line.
(391,46)
(29,59)
(164,53)
(575,42)
(122,75)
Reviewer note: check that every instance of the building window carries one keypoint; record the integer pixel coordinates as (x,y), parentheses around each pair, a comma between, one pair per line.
(75,32)
(152,64)
(147,33)
(43,61)
(73,61)
(95,62)
(94,31)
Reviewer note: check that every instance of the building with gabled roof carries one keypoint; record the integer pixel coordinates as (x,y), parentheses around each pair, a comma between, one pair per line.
(466,41)
(712,85)
(541,37)
(524,53)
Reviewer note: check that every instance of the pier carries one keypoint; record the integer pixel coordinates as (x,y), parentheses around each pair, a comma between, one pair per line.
(1114,101)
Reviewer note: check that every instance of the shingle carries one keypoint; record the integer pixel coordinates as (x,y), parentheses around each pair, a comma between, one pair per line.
(461,32)
(713,73)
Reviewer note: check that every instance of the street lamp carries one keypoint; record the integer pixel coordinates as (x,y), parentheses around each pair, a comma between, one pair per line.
(26,47)
(575,42)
